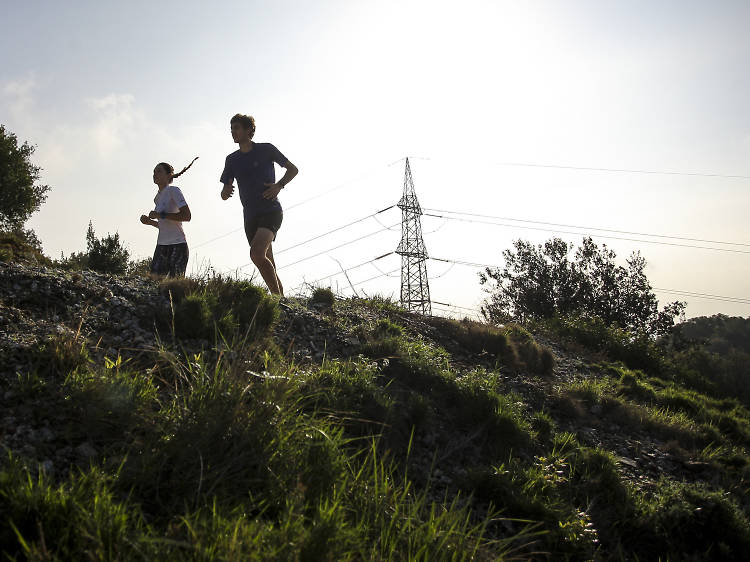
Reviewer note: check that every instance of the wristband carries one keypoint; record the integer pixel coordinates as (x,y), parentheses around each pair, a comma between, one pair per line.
(163,215)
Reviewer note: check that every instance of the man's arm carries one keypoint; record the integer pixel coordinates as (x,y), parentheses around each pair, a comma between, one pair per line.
(274,188)
(227,191)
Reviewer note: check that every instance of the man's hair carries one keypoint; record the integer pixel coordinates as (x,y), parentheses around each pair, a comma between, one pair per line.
(246,121)
(170,170)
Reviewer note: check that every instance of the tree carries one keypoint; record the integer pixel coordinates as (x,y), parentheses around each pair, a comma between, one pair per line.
(541,282)
(107,255)
(20,195)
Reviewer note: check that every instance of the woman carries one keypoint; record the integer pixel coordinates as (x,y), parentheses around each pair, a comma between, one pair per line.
(171,210)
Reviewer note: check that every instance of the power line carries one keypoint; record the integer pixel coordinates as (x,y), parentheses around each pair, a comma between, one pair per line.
(591,228)
(461,262)
(596,235)
(373,215)
(346,270)
(624,170)
(382,272)
(387,273)
(456,306)
(451,266)
(329,249)
(336,230)
(707,296)
(218,237)
(342,185)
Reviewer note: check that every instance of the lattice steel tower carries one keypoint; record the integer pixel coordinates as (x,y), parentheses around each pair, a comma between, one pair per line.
(415,289)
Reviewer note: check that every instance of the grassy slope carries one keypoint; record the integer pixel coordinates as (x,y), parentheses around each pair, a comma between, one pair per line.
(440,441)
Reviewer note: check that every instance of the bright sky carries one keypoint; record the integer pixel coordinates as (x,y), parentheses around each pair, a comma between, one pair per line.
(105,90)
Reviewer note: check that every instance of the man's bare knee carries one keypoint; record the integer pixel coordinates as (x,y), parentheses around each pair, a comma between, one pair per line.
(258,255)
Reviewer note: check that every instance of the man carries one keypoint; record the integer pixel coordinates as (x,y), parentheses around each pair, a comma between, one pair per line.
(252,167)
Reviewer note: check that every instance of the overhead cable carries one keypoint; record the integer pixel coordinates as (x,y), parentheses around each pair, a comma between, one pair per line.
(624,170)
(708,296)
(349,268)
(342,185)
(329,249)
(591,228)
(336,230)
(733,250)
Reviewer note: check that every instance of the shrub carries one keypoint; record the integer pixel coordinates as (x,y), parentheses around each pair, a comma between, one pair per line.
(105,255)
(141,267)
(689,522)
(177,288)
(220,304)
(536,358)
(42,521)
(193,317)
(21,246)
(323,296)
(61,354)
(108,254)
(637,351)
(385,328)
(543,424)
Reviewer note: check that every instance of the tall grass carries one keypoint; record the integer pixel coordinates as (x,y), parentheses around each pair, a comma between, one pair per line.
(224,467)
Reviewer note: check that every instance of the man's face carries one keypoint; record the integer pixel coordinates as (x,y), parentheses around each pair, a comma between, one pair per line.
(239,133)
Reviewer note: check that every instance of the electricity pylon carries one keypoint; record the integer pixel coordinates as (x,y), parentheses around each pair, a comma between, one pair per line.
(415,288)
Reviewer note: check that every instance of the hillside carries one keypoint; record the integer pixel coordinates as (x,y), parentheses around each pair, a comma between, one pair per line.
(204,420)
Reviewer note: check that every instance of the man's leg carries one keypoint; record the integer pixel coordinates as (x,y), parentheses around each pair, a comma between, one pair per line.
(259,248)
(269,253)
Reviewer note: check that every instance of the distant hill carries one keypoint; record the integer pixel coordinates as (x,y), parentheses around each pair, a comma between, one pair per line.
(718,333)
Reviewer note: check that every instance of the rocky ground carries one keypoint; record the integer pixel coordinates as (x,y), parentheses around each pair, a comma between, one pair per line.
(127,317)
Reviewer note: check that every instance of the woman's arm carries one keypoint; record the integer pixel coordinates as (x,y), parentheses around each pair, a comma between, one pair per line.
(146,220)
(183,216)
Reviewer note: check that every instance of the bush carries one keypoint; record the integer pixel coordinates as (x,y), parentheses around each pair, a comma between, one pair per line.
(510,345)
(105,255)
(140,267)
(323,296)
(193,316)
(22,246)
(690,522)
(386,328)
(220,304)
(637,351)
(42,521)
(61,354)
(536,358)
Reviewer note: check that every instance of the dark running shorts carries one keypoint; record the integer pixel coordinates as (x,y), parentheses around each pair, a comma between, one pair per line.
(170,259)
(271,221)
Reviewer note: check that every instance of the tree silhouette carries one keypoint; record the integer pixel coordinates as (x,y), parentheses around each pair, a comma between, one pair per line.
(541,282)
(20,195)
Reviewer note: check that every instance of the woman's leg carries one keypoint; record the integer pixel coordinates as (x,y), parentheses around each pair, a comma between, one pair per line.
(160,261)
(178,258)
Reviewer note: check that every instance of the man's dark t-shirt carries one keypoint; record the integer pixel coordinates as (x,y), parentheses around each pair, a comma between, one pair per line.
(252,170)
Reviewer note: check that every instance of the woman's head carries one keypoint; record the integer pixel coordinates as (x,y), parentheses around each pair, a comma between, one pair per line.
(164,173)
